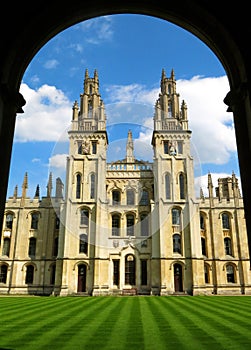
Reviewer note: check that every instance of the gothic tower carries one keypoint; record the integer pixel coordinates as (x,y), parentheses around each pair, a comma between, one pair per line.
(85,188)
(174,218)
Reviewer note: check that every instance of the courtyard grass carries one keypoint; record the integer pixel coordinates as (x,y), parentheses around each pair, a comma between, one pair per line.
(128,322)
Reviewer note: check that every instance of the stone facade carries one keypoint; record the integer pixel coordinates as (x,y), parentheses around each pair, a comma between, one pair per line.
(127,227)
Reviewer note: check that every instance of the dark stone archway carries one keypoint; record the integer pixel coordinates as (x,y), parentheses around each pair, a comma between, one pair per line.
(26,28)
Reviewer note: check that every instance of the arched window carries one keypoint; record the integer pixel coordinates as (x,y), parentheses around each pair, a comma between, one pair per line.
(230,273)
(169,109)
(144,200)
(176,243)
(167,186)
(130,225)
(92,189)
(202,222)
(228,246)
(206,273)
(130,269)
(9,221)
(203,246)
(225,221)
(115,225)
(34,221)
(130,197)
(144,224)
(6,246)
(3,273)
(182,186)
(32,247)
(84,217)
(116,197)
(175,216)
(78,186)
(83,243)
(29,274)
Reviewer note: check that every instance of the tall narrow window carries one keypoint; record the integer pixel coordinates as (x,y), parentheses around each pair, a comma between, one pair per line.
(55,247)
(206,273)
(176,243)
(115,197)
(168,186)
(182,186)
(84,217)
(9,221)
(175,216)
(32,247)
(83,243)
(180,147)
(92,189)
(130,270)
(94,147)
(116,272)
(225,221)
(115,225)
(144,200)
(53,274)
(144,272)
(6,246)
(144,225)
(230,274)
(29,274)
(78,186)
(228,246)
(130,225)
(203,246)
(169,109)
(3,273)
(166,147)
(34,221)
(130,197)
(202,222)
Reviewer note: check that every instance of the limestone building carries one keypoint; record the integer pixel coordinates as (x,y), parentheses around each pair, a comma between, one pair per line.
(127,227)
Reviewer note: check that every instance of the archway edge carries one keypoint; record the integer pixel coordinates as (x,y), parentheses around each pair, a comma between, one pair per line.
(188,15)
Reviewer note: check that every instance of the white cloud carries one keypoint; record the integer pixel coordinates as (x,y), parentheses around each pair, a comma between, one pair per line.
(47,114)
(58,161)
(51,64)
(97,30)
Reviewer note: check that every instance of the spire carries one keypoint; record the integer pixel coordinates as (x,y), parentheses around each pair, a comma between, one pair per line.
(86,74)
(37,193)
(25,185)
(96,75)
(172,75)
(59,188)
(49,186)
(129,148)
(202,194)
(163,74)
(15,193)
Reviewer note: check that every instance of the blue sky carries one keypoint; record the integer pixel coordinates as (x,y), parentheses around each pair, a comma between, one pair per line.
(129,53)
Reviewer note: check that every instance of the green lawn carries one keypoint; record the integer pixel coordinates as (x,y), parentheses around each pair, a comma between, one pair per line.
(125,323)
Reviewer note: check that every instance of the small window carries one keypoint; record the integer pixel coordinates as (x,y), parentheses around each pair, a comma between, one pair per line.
(9,221)
(55,247)
(130,270)
(144,200)
(3,273)
(182,186)
(130,225)
(34,221)
(115,197)
(180,147)
(115,225)
(206,273)
(228,246)
(6,246)
(202,222)
(175,216)
(168,186)
(225,221)
(29,274)
(166,147)
(144,225)
(116,272)
(230,274)
(83,243)
(203,246)
(144,272)
(176,243)
(78,186)
(92,189)
(130,197)
(32,247)
(94,147)
(84,218)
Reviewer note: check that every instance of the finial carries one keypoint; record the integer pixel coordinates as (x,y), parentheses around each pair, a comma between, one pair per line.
(172,74)
(49,186)
(37,193)
(15,192)
(163,75)
(25,185)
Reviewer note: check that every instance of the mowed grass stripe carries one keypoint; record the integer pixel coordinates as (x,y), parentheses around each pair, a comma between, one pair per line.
(54,326)
(225,331)
(180,331)
(96,332)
